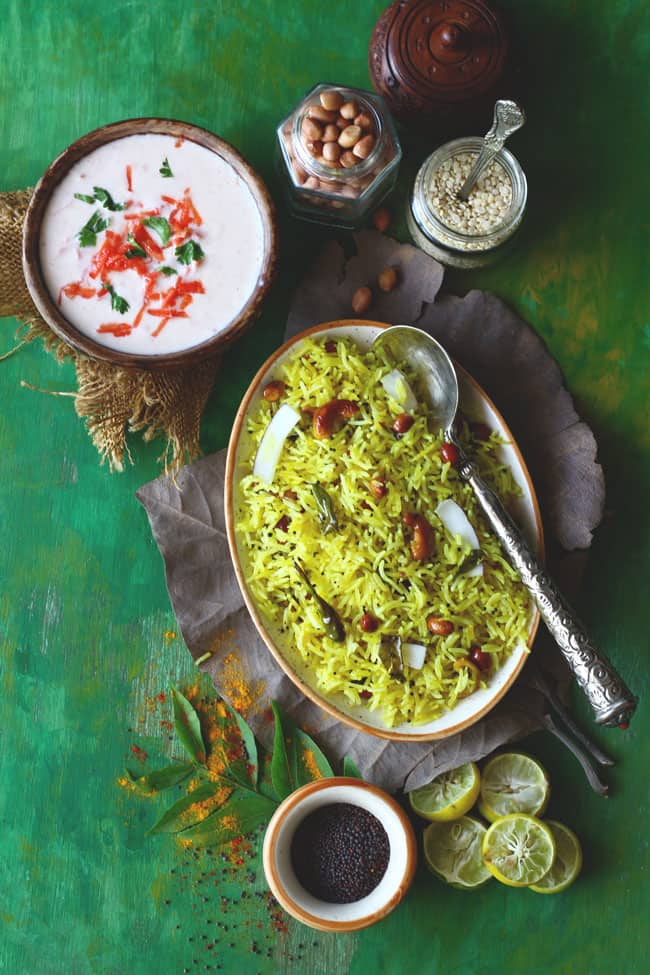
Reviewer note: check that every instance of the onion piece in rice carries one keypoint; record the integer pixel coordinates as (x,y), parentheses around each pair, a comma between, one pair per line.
(396,385)
(414,655)
(270,448)
(458,524)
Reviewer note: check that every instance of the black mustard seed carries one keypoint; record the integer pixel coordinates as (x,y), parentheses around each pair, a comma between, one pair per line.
(340,853)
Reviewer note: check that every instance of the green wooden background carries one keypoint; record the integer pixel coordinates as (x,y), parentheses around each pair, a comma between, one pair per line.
(83,607)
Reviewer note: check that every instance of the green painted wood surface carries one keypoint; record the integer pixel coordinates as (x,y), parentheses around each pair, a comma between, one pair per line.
(83,607)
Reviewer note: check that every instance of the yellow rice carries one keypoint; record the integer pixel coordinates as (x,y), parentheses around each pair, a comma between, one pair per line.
(366,565)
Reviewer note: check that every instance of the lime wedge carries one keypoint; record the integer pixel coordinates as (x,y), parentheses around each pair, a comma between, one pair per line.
(518,850)
(567,863)
(449,796)
(513,783)
(453,852)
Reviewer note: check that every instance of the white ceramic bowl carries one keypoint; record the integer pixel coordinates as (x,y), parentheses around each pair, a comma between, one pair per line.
(288,890)
(475,402)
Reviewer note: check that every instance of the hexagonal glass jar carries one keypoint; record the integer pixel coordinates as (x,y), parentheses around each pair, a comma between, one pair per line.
(341,190)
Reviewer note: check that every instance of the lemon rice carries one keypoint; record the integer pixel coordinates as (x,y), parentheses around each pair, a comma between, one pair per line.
(365,565)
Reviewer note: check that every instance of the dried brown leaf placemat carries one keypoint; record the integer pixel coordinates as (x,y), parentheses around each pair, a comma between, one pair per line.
(518,372)
(111,401)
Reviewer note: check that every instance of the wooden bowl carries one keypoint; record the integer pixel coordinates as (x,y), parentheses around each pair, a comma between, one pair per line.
(53,175)
(286,887)
(473,400)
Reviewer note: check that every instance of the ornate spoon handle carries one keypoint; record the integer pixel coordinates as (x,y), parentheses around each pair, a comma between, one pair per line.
(612,702)
(508,117)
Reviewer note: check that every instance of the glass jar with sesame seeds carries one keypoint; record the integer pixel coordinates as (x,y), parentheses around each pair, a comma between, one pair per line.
(472,233)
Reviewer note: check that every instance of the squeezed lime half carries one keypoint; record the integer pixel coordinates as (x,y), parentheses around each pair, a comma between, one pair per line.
(513,783)
(453,852)
(518,850)
(567,863)
(449,796)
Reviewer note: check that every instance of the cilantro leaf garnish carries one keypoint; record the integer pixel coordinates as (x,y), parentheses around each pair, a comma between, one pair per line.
(84,198)
(118,303)
(134,250)
(161,226)
(167,271)
(165,169)
(189,251)
(88,233)
(104,197)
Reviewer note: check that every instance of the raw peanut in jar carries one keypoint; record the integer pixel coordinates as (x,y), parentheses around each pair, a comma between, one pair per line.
(349,136)
(321,114)
(363,120)
(332,100)
(363,147)
(331,152)
(341,143)
(348,159)
(311,130)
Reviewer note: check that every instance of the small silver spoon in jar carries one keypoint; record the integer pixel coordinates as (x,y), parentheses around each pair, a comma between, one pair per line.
(612,702)
(508,117)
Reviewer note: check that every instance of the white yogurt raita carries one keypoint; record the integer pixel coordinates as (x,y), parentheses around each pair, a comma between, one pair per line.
(207,235)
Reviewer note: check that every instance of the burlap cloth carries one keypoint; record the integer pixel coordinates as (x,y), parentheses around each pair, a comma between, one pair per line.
(111,400)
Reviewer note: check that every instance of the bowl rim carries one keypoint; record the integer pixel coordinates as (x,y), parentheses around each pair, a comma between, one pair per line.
(275,882)
(296,680)
(56,171)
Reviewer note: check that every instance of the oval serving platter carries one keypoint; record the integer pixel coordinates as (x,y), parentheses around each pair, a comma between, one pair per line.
(475,402)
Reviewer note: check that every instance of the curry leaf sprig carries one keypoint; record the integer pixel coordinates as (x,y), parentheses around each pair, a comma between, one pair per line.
(248,786)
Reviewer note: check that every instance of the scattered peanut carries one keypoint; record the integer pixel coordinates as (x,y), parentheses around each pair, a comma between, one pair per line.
(378,488)
(403,424)
(387,279)
(368,623)
(439,626)
(272,392)
(381,219)
(314,148)
(450,453)
(361,300)
(480,658)
(330,133)
(283,524)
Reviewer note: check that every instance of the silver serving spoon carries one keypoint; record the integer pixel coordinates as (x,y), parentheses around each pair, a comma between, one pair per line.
(508,117)
(612,702)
